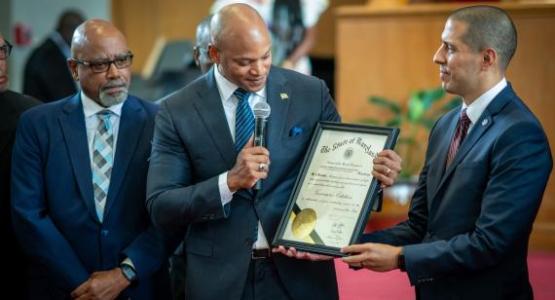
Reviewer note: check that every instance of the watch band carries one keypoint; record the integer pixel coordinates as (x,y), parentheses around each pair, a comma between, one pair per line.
(401,262)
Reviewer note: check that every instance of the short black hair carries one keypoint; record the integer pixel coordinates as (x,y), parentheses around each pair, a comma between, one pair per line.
(488,27)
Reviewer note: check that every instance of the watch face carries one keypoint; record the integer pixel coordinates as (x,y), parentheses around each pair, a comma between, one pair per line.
(128,272)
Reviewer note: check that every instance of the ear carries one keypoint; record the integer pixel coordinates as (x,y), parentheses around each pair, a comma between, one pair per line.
(72,65)
(196,56)
(214,54)
(489,58)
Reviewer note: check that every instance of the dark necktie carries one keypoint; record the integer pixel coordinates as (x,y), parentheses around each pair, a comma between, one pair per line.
(244,119)
(460,134)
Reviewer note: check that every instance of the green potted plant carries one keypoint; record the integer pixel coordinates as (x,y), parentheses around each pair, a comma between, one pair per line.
(416,119)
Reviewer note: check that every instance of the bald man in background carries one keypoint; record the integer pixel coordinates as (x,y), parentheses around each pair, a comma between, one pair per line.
(79,186)
(203,167)
(200,51)
(12,105)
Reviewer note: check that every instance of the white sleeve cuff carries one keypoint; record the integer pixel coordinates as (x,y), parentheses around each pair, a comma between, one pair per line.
(225,194)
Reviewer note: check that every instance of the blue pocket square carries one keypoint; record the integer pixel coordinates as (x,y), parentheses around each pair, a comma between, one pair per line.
(295,131)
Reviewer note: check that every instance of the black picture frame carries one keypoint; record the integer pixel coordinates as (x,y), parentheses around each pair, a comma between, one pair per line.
(322,193)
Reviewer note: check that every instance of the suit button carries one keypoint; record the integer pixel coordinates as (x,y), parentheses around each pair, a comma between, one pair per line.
(105,232)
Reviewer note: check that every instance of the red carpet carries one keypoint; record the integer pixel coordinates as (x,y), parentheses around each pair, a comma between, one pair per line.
(363,284)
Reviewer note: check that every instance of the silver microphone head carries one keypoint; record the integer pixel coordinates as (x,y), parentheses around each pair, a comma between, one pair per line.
(261,110)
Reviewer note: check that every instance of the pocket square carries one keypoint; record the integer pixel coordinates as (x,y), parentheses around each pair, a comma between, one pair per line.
(295,131)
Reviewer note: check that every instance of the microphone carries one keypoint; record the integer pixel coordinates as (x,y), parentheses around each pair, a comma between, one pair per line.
(261,111)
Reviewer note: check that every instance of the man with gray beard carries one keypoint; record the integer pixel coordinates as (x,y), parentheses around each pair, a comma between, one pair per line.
(78,182)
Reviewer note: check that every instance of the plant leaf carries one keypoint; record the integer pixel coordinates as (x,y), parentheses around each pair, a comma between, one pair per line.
(386,103)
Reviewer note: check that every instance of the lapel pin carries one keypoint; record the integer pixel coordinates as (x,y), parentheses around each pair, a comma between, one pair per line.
(284,96)
(485,122)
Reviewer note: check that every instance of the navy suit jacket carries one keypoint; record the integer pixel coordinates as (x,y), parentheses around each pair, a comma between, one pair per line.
(53,204)
(192,145)
(468,227)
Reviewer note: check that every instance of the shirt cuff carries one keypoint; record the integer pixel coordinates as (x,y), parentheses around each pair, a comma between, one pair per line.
(225,194)
(127,261)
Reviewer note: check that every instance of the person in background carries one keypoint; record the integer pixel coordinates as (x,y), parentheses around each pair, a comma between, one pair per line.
(46,76)
(203,167)
(485,172)
(178,262)
(12,105)
(200,50)
(292,24)
(78,191)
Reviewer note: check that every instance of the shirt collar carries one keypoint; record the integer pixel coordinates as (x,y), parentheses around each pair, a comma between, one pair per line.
(476,108)
(90,107)
(227,87)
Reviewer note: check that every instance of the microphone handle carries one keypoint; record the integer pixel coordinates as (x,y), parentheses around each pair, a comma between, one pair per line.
(259,134)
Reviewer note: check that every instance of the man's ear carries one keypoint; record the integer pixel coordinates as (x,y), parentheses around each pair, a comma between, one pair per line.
(489,58)
(196,56)
(213,54)
(72,65)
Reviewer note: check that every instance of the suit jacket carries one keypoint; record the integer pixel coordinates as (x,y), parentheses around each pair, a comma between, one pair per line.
(11,106)
(469,224)
(53,203)
(193,145)
(47,75)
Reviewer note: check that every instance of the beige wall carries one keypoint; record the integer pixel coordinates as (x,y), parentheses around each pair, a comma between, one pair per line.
(388,52)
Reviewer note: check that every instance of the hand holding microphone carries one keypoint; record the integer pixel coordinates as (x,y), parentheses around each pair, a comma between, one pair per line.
(252,163)
(261,112)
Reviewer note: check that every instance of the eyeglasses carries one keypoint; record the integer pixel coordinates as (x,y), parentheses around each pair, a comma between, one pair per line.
(5,50)
(121,62)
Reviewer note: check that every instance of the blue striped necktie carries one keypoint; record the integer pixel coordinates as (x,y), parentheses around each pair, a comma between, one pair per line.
(244,119)
(103,146)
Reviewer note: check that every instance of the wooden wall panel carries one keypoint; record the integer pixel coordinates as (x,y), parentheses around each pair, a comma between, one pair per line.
(388,52)
(143,21)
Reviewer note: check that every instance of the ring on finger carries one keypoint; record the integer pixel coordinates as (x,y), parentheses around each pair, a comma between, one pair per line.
(261,167)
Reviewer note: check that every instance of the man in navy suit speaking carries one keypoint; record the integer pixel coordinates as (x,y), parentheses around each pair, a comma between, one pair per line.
(486,168)
(204,165)
(79,182)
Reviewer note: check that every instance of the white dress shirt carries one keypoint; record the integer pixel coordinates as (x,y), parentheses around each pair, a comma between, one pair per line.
(476,108)
(90,109)
(229,102)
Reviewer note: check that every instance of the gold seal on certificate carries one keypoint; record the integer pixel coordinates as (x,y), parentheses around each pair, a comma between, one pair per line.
(304,223)
(335,189)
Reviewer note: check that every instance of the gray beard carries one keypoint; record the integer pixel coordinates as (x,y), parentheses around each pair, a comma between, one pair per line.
(108,100)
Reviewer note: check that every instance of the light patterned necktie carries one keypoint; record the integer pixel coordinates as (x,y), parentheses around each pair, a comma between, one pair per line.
(102,161)
(244,119)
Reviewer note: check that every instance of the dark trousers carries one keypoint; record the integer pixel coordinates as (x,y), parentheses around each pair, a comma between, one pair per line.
(263,282)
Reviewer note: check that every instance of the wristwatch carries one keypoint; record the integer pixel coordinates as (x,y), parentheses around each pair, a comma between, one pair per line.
(128,272)
(401,262)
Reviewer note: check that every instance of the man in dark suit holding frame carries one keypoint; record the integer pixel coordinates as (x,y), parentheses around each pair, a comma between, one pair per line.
(486,168)
(203,167)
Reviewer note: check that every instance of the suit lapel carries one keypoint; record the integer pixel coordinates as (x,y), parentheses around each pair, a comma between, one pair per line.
(209,107)
(278,96)
(482,125)
(131,128)
(74,130)
(443,148)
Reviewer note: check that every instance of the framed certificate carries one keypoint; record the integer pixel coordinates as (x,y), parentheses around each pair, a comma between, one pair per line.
(335,189)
